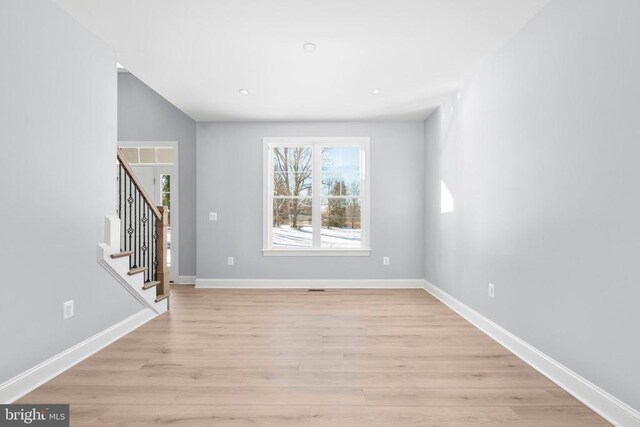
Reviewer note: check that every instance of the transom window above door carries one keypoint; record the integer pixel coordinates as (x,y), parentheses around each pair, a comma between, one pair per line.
(149,155)
(316,196)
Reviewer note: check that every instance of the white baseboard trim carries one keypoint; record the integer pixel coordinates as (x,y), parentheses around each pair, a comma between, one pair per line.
(603,403)
(186,280)
(13,389)
(309,284)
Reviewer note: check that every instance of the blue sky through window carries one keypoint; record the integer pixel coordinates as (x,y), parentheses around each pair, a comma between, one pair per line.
(341,164)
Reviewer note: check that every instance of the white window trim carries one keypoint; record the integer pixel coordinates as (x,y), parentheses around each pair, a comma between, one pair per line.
(268,143)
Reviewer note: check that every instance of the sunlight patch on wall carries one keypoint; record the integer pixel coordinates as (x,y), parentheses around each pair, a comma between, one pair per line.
(446,199)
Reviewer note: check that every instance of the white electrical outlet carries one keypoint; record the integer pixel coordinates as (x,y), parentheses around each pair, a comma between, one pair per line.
(230,260)
(213,216)
(492,290)
(67,309)
(385,260)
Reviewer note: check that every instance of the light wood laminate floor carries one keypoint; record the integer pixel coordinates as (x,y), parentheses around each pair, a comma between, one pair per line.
(295,358)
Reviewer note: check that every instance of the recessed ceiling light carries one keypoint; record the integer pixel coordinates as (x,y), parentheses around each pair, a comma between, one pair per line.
(309,47)
(376,91)
(243,92)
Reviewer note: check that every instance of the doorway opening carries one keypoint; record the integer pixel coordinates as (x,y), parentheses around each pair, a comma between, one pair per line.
(156,167)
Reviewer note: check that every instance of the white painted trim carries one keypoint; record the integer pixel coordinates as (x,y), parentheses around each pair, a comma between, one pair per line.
(131,143)
(112,231)
(309,284)
(16,387)
(325,140)
(103,253)
(609,407)
(316,252)
(186,280)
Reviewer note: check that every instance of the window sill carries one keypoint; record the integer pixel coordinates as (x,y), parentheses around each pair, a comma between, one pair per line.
(316,252)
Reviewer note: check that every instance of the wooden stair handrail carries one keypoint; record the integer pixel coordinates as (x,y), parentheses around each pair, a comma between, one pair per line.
(127,167)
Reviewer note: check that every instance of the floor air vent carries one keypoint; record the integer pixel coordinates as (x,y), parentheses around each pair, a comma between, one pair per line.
(315,290)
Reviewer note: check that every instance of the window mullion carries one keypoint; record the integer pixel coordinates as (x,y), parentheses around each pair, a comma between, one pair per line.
(316,186)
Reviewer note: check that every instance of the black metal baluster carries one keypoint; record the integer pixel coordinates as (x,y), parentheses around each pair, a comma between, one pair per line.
(136,222)
(155,250)
(145,244)
(152,244)
(142,241)
(123,214)
(123,220)
(152,220)
(130,228)
(120,201)
(149,234)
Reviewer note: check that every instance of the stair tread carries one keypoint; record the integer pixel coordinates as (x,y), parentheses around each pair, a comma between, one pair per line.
(162,297)
(121,254)
(136,270)
(149,285)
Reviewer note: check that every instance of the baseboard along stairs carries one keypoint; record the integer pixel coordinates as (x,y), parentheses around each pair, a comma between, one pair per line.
(117,263)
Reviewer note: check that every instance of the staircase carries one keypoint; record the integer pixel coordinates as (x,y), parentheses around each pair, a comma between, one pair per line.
(135,248)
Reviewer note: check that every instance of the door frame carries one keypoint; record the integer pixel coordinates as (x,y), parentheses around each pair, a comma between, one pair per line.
(175,197)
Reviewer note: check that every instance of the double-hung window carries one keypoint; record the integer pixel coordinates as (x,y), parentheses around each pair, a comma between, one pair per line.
(316,196)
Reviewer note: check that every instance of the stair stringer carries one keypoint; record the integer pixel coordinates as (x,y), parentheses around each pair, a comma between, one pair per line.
(119,267)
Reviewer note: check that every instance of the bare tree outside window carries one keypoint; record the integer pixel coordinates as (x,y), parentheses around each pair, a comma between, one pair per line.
(341,214)
(292,186)
(293,198)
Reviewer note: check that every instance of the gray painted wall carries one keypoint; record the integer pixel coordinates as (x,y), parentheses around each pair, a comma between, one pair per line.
(541,156)
(58,124)
(143,115)
(230,167)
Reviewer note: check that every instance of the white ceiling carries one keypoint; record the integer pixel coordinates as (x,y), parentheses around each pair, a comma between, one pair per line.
(199,53)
